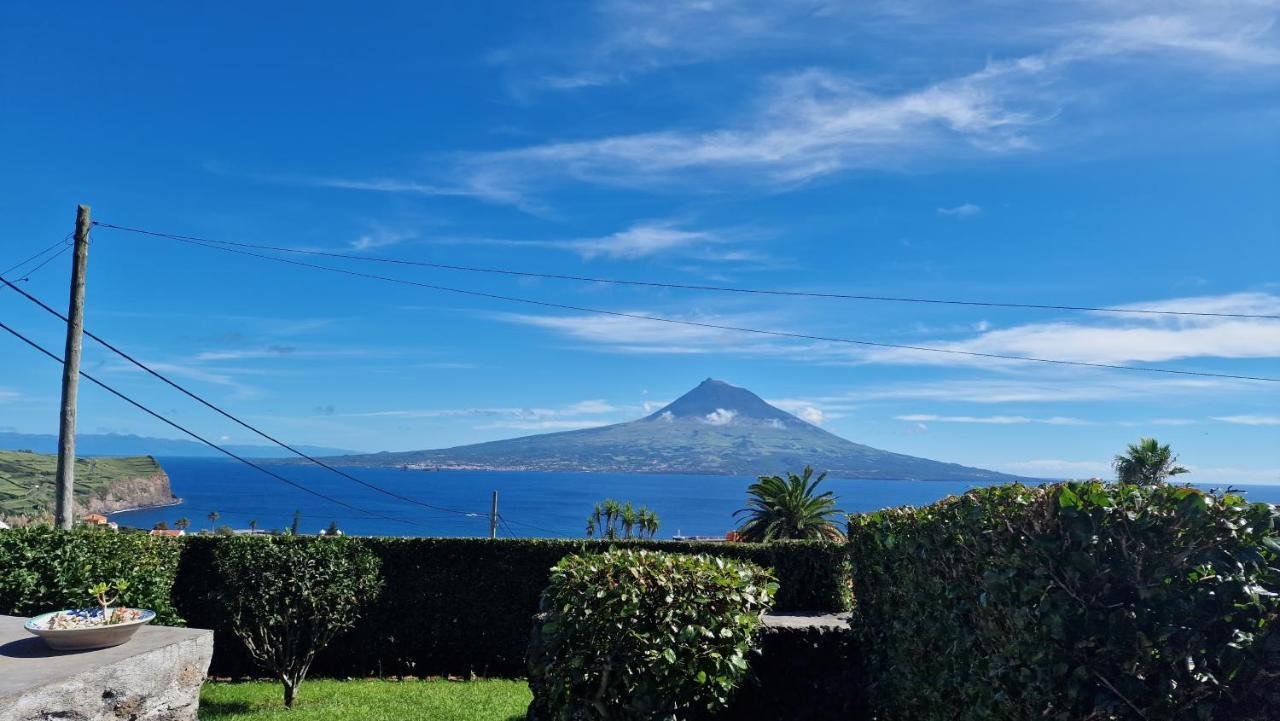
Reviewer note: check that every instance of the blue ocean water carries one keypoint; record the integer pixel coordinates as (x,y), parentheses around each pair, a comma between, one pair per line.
(533,504)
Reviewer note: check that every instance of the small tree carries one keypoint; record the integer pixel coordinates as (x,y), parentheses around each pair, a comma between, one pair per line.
(253,525)
(182,524)
(333,529)
(161,526)
(213,518)
(297,521)
(286,598)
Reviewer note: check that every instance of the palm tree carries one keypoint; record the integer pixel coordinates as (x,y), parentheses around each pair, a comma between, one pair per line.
(253,526)
(647,520)
(213,518)
(182,523)
(789,508)
(1147,462)
(627,517)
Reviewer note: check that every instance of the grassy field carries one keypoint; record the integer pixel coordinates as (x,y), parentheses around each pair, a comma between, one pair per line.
(26,479)
(367,700)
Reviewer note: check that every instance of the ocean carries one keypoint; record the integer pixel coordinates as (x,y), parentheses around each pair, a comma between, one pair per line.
(531,503)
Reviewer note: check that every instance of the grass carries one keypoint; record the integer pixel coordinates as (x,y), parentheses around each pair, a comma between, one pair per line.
(367,700)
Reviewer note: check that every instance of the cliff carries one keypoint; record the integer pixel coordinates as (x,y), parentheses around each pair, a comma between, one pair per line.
(103,485)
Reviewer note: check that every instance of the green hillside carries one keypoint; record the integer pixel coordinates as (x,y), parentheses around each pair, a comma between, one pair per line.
(27,480)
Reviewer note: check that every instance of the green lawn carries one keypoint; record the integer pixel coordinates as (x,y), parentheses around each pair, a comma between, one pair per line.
(374,700)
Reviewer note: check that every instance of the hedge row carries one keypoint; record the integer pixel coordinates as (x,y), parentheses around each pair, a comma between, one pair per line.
(1079,600)
(46,570)
(465,605)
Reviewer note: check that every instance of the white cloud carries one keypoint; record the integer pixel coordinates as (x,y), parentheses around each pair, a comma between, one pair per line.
(813,415)
(964,210)
(719,417)
(1219,36)
(8,396)
(589,407)
(1067,389)
(667,417)
(1250,420)
(644,240)
(637,335)
(544,425)
(380,238)
(993,420)
(1057,468)
(776,423)
(808,124)
(1122,339)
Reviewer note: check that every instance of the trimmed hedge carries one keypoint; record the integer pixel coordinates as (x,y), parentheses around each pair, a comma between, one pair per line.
(1078,600)
(471,601)
(46,570)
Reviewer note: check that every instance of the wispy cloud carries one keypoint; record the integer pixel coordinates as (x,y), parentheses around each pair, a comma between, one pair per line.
(381,237)
(992,420)
(1057,468)
(1123,339)
(964,210)
(1250,420)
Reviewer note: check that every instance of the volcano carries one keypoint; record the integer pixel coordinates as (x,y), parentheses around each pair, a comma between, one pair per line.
(714,429)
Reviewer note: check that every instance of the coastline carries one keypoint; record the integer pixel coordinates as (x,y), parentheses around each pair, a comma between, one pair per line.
(175,502)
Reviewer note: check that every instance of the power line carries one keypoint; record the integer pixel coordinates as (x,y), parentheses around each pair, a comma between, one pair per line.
(736,329)
(197,436)
(229,416)
(689,286)
(62,243)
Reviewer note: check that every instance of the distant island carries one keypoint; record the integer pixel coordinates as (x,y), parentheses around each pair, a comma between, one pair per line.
(121,444)
(714,429)
(103,485)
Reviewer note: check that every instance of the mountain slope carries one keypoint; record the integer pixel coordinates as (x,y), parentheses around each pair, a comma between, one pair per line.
(714,429)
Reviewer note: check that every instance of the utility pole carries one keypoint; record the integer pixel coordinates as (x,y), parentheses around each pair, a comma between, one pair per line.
(64,515)
(493,517)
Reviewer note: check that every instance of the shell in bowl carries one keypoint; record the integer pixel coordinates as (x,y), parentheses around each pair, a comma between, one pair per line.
(81,629)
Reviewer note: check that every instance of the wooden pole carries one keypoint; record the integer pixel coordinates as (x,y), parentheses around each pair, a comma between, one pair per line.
(493,517)
(64,515)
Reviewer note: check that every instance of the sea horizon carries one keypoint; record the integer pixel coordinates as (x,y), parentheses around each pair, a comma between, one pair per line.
(541,504)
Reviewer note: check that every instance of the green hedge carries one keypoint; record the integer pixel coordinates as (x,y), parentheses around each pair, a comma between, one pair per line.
(471,601)
(1079,600)
(643,635)
(46,570)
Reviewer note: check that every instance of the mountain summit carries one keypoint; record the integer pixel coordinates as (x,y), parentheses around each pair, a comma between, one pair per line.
(714,429)
(715,400)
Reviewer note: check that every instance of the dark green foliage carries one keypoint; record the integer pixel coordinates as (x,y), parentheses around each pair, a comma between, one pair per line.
(808,672)
(471,599)
(1078,600)
(789,508)
(287,598)
(635,635)
(42,569)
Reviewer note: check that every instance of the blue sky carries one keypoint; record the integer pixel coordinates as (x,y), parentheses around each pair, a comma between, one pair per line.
(1086,153)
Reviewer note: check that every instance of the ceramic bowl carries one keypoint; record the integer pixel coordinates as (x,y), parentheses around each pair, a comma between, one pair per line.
(83,639)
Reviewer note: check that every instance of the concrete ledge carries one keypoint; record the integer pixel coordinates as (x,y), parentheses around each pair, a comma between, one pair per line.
(816,621)
(154,677)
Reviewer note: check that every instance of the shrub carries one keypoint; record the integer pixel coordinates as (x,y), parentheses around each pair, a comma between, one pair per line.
(42,569)
(286,598)
(471,599)
(1079,600)
(644,635)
